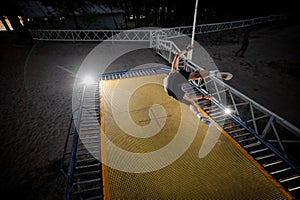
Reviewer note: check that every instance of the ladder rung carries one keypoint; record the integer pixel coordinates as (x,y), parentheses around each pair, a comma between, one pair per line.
(88,173)
(240,135)
(230,127)
(289,178)
(220,116)
(293,189)
(213,110)
(95,197)
(205,108)
(281,170)
(87,128)
(88,166)
(216,113)
(237,130)
(85,148)
(89,142)
(89,138)
(252,144)
(264,157)
(272,163)
(89,153)
(87,160)
(87,132)
(88,181)
(247,139)
(258,150)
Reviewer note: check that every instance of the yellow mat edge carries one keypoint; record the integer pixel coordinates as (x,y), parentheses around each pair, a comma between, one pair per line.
(256,164)
(106,194)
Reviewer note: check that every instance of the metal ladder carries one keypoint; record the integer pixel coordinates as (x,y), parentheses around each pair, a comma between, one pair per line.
(281,169)
(130,73)
(84,170)
(88,169)
(80,163)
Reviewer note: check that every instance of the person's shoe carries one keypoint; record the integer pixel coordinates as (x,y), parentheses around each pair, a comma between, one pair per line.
(203,119)
(222,75)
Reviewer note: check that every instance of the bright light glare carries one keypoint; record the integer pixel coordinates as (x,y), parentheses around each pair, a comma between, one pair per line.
(228,111)
(88,80)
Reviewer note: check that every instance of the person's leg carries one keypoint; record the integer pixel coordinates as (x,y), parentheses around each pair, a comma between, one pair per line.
(244,48)
(204,74)
(186,100)
(175,62)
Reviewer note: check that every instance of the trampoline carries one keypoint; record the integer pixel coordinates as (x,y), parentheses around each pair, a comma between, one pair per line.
(150,149)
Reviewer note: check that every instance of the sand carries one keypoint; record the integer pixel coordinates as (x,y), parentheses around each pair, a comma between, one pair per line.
(36,96)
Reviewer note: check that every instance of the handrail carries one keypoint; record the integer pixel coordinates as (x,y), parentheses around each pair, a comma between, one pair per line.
(69,174)
(62,169)
(167,49)
(140,35)
(244,125)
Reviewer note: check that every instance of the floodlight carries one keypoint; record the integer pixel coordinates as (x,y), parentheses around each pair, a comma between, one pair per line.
(228,111)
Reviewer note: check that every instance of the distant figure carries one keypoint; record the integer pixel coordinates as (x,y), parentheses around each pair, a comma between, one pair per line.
(244,44)
(177,78)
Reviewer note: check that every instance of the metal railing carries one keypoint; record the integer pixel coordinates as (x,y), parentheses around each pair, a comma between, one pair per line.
(144,35)
(264,122)
(70,150)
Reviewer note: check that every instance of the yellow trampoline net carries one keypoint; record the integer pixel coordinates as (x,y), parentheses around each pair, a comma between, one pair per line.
(153,147)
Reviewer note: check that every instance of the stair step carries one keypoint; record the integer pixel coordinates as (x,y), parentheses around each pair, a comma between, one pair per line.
(94,172)
(230,127)
(217,113)
(289,178)
(95,197)
(88,166)
(90,147)
(280,171)
(247,139)
(240,135)
(272,163)
(89,142)
(90,138)
(252,144)
(88,190)
(89,153)
(88,181)
(87,160)
(237,130)
(258,150)
(265,156)
(294,188)
(89,128)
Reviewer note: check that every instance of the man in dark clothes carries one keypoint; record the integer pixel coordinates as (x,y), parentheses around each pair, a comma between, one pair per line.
(177,78)
(245,43)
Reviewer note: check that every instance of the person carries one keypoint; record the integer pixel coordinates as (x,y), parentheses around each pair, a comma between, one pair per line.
(179,77)
(245,43)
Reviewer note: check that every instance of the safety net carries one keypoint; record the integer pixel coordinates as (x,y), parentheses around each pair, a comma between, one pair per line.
(154,147)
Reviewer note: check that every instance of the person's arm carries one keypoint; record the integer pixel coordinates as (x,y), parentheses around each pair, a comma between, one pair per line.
(175,62)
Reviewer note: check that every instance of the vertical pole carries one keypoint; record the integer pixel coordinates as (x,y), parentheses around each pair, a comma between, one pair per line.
(190,53)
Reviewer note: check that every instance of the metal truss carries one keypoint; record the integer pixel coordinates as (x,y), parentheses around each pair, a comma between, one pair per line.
(280,133)
(144,35)
(91,35)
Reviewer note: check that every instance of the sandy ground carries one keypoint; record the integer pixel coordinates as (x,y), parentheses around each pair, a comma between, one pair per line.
(269,72)
(36,96)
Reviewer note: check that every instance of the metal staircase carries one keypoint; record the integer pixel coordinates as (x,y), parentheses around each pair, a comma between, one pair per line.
(132,73)
(281,169)
(81,159)
(80,163)
(83,172)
